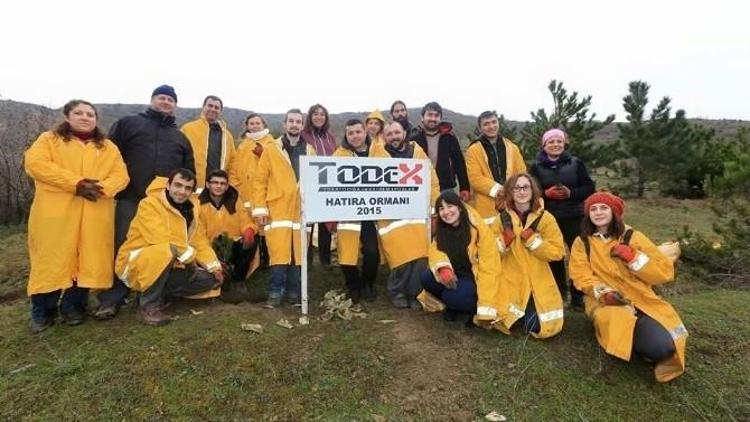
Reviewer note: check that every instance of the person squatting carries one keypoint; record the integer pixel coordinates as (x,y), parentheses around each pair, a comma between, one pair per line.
(143,207)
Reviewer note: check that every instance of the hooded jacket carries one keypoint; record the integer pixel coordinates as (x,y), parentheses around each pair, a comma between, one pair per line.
(151,146)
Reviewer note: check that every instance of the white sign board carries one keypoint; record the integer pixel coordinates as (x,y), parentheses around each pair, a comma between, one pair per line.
(357,189)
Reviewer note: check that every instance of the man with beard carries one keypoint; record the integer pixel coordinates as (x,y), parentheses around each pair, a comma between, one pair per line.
(490,160)
(212,142)
(404,242)
(167,253)
(151,146)
(440,143)
(276,202)
(400,114)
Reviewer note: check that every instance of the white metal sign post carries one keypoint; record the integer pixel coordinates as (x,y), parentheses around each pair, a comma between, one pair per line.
(360,189)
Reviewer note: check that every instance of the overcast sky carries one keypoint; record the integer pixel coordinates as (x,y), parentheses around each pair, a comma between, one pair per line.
(355,56)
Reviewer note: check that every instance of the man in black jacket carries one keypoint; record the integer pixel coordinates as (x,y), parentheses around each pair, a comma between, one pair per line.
(440,143)
(151,145)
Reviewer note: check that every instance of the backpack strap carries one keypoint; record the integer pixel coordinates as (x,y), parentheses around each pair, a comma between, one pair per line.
(586,246)
(535,223)
(506,220)
(626,236)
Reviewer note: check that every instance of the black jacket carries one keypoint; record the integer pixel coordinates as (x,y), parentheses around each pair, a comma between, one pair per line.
(569,171)
(450,162)
(151,145)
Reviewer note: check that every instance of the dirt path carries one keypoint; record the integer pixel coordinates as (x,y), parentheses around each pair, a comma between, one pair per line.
(431,369)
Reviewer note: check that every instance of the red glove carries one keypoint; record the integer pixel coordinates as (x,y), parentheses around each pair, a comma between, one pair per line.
(445,127)
(499,202)
(219,276)
(465,195)
(258,150)
(623,251)
(527,233)
(332,226)
(554,192)
(446,275)
(248,238)
(563,191)
(613,299)
(433,225)
(508,236)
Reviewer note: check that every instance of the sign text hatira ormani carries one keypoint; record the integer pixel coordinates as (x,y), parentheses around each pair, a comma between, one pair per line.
(347,202)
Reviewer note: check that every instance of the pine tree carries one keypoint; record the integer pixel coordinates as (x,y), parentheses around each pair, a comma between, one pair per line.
(571,114)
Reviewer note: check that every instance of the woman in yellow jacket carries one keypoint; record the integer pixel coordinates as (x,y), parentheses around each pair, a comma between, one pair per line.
(374,125)
(356,236)
(76,172)
(530,240)
(616,268)
(464,265)
(255,138)
(490,161)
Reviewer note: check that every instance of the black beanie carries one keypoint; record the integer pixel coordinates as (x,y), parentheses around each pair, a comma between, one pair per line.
(166,90)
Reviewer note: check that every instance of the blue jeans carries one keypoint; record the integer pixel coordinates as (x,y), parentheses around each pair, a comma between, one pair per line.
(44,305)
(285,279)
(461,299)
(531,322)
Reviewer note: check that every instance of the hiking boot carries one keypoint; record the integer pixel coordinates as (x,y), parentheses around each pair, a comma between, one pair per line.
(294,301)
(414,304)
(449,315)
(73,318)
(369,293)
(272,302)
(355,295)
(153,316)
(104,313)
(400,302)
(39,325)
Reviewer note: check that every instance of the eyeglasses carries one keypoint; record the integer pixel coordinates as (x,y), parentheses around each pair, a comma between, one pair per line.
(525,188)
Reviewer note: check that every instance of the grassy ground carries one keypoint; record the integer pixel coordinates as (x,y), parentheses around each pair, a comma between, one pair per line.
(204,367)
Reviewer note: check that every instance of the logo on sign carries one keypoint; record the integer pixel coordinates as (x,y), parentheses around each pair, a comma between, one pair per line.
(403,177)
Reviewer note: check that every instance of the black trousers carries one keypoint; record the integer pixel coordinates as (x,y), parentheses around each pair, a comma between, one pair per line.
(241,259)
(651,340)
(177,282)
(368,241)
(324,244)
(570,228)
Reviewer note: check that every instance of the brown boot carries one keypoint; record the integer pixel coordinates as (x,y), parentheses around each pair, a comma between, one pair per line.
(153,316)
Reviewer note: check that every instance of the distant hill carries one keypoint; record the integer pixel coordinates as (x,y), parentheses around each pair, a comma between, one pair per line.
(464,124)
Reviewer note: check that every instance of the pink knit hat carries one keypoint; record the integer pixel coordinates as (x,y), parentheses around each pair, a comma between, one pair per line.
(554,134)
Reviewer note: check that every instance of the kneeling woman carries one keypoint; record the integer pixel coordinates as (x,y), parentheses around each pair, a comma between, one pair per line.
(616,268)
(530,240)
(463,260)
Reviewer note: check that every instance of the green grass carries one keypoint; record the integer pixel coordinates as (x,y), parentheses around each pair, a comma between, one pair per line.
(204,367)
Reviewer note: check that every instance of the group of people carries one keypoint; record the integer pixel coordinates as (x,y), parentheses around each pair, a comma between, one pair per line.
(187,212)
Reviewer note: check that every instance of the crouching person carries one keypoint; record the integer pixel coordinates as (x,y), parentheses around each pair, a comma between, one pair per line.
(221,213)
(464,263)
(616,268)
(166,253)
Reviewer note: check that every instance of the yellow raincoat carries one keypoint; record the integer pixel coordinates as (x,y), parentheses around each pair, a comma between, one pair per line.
(71,238)
(526,273)
(485,265)
(348,233)
(146,252)
(482,183)
(615,325)
(275,194)
(244,165)
(406,240)
(218,221)
(197,132)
